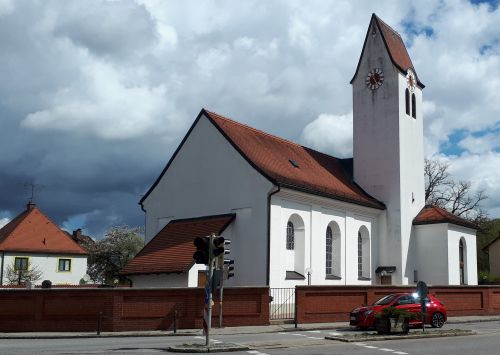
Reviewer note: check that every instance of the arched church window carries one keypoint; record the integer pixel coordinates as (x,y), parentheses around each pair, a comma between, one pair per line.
(363,253)
(329,250)
(407,101)
(461,257)
(290,236)
(360,255)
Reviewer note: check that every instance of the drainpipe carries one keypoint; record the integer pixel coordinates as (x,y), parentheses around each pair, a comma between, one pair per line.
(1,268)
(268,266)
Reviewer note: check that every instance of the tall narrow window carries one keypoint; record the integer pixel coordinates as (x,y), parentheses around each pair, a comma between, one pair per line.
(461,261)
(329,251)
(413,106)
(290,236)
(360,255)
(407,101)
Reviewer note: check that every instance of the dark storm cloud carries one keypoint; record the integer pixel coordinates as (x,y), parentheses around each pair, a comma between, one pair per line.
(96,95)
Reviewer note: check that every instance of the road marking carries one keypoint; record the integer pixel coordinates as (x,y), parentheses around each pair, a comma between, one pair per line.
(360,344)
(282,333)
(199,337)
(314,338)
(370,347)
(299,335)
(256,352)
(314,331)
(400,352)
(386,349)
(335,333)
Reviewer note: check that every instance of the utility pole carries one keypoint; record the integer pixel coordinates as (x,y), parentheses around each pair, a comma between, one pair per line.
(209,287)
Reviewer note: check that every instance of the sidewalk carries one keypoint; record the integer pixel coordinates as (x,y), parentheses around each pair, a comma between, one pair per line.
(218,331)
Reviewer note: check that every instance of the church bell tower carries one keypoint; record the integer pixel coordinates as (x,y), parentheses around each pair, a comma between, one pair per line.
(388,142)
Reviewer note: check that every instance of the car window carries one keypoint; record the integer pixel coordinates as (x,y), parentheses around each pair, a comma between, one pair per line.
(405,300)
(385,300)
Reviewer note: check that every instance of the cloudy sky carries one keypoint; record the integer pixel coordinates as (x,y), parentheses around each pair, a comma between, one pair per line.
(96,95)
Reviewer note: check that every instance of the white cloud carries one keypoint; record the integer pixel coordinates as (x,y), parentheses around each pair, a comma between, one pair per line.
(4,221)
(331,134)
(482,144)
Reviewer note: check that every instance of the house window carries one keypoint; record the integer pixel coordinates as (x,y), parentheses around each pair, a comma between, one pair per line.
(461,257)
(21,264)
(413,106)
(290,236)
(64,265)
(329,251)
(407,101)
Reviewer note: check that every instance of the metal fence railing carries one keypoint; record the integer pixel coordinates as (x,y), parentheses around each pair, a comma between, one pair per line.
(282,304)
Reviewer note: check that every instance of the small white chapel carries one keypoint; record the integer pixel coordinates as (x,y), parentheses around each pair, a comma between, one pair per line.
(296,216)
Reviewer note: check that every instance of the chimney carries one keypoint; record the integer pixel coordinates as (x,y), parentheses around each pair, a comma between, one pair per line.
(77,234)
(31,205)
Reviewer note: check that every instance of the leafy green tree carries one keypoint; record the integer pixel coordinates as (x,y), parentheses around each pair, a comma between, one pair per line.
(489,230)
(110,254)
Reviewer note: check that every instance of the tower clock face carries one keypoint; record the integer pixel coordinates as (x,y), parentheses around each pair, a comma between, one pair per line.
(410,80)
(374,79)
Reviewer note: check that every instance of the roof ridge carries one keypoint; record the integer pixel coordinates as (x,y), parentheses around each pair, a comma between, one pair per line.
(389,27)
(271,135)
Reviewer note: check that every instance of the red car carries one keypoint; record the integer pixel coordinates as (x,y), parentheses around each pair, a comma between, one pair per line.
(363,317)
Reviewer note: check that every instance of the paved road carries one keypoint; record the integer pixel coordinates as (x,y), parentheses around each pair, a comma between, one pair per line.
(303,342)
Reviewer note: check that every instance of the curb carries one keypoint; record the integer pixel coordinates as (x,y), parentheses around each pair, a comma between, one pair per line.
(215,348)
(376,337)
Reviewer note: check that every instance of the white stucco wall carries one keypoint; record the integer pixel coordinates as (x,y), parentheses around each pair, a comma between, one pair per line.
(48,264)
(431,247)
(159,280)
(316,213)
(210,177)
(455,233)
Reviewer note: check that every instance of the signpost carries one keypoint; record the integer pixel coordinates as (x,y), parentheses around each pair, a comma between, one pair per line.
(423,291)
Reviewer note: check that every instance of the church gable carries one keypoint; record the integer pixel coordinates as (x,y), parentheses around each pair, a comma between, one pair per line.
(394,45)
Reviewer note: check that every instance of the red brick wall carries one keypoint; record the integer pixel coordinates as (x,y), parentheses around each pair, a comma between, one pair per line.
(126,309)
(333,303)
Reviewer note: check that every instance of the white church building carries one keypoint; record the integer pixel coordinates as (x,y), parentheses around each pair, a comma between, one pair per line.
(296,216)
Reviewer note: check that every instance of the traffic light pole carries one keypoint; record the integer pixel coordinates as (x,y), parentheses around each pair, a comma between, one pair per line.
(209,282)
(221,295)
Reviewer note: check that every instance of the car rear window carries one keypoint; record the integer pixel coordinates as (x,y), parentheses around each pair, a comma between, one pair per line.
(385,300)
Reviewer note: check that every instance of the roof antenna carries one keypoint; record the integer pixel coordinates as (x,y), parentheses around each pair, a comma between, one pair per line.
(33,188)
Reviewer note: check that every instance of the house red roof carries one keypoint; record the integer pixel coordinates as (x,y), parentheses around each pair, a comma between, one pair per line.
(288,164)
(33,232)
(171,250)
(431,214)
(395,47)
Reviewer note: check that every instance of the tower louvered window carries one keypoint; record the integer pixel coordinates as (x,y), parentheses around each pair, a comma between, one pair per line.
(413,106)
(407,101)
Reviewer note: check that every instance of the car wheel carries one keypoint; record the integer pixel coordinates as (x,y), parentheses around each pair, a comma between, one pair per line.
(437,320)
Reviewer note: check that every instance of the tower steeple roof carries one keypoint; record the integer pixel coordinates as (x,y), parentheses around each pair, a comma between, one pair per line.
(394,45)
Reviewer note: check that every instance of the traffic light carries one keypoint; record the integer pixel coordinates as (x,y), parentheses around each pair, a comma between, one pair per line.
(228,268)
(201,255)
(218,249)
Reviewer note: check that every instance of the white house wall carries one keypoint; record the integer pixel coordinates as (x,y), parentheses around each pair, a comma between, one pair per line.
(455,233)
(317,213)
(48,264)
(160,280)
(208,177)
(432,253)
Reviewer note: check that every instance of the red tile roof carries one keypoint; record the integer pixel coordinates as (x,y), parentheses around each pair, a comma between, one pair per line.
(395,47)
(431,214)
(33,232)
(171,250)
(274,157)
(317,173)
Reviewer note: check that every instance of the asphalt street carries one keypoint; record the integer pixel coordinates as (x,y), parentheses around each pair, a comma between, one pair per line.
(487,341)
